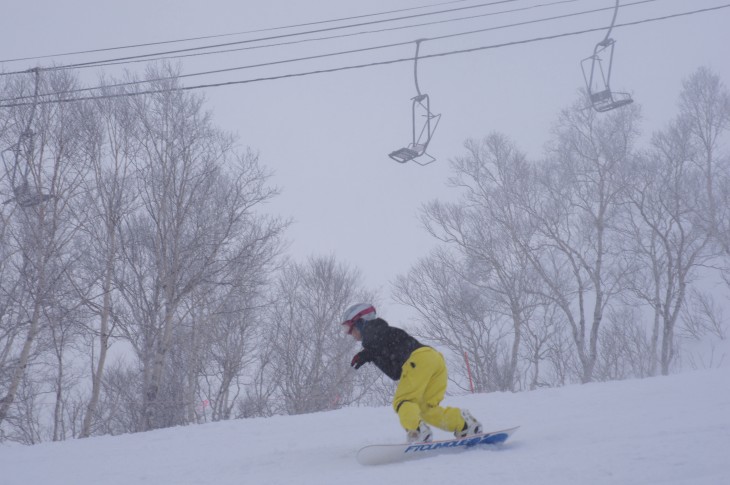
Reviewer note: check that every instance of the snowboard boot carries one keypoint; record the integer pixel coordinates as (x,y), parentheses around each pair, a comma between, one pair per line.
(471,425)
(422,434)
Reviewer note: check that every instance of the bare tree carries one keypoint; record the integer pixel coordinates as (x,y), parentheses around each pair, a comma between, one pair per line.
(580,190)
(234,325)
(704,105)
(542,338)
(487,228)
(120,408)
(456,314)
(262,381)
(703,315)
(666,230)
(196,219)
(64,332)
(625,349)
(45,169)
(310,352)
(107,197)
(162,241)
(705,113)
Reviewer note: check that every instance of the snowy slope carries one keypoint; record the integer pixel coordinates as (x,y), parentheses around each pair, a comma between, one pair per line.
(665,430)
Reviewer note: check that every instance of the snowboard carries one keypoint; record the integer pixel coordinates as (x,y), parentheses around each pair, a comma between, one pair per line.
(382,454)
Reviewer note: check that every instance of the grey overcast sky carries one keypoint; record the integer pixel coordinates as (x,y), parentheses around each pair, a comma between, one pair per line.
(327,136)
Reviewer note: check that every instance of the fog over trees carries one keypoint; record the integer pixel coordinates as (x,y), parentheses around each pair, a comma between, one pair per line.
(142,286)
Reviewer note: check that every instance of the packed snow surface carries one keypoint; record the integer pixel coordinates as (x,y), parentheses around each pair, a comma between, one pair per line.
(663,430)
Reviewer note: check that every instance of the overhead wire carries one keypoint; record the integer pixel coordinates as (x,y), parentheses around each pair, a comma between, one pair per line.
(230,34)
(113,62)
(292,34)
(373,64)
(345,52)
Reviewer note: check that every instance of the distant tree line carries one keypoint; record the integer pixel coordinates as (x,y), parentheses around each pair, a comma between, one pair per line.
(585,265)
(142,286)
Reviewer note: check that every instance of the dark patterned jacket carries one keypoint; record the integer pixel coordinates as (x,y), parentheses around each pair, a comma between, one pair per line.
(387,347)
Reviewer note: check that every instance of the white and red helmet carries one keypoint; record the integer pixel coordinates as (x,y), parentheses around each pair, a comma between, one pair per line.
(357,312)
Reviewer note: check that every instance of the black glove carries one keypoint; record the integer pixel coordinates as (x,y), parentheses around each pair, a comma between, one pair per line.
(360,359)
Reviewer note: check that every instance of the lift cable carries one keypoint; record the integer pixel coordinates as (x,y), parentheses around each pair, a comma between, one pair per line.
(293,34)
(230,34)
(372,64)
(338,53)
(114,62)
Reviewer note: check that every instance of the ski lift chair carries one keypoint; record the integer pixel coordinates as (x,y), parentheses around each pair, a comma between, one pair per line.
(27,196)
(598,80)
(24,194)
(419,144)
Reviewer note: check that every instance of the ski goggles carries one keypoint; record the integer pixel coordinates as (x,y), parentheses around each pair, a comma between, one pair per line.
(349,325)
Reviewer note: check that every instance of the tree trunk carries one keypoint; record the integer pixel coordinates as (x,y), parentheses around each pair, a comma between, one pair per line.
(98,375)
(19,371)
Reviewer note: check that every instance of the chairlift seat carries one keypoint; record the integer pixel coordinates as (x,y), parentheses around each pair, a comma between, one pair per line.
(405,154)
(606,100)
(27,196)
(601,97)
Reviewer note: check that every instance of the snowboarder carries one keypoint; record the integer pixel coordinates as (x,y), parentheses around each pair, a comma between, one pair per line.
(420,369)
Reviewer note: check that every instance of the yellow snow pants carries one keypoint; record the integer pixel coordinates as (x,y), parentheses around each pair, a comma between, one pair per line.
(419,393)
